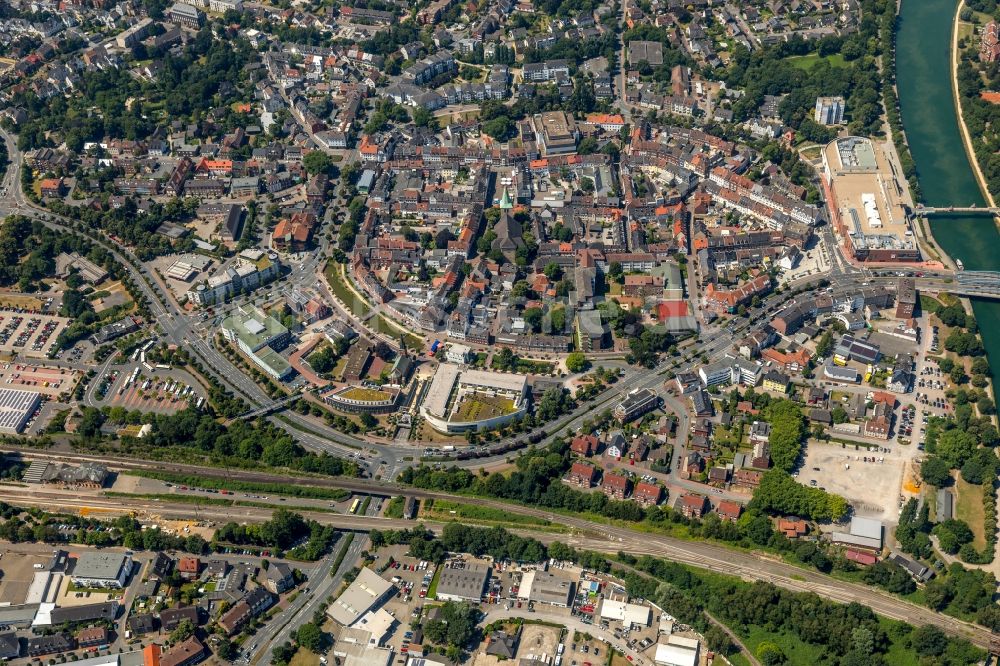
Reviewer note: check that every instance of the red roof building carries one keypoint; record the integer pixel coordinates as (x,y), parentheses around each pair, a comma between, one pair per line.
(189,567)
(582,475)
(793,529)
(856,556)
(747,478)
(584,445)
(729,510)
(616,486)
(648,494)
(694,506)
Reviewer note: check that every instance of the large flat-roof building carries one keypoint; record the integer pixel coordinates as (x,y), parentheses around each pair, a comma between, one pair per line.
(555,133)
(366,593)
(462,581)
(258,335)
(636,404)
(829,110)
(186,15)
(16,408)
(628,614)
(645,51)
(864,533)
(102,569)
(461,400)
(677,651)
(866,199)
(545,587)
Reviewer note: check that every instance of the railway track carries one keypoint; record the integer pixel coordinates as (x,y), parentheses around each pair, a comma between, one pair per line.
(748,565)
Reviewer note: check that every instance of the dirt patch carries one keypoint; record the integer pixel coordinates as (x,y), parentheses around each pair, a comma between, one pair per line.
(871,487)
(538,640)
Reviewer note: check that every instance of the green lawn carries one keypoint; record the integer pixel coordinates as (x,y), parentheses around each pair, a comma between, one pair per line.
(448,510)
(432,588)
(796,652)
(382,325)
(365,394)
(929,303)
(335,277)
(476,407)
(969,507)
(807,61)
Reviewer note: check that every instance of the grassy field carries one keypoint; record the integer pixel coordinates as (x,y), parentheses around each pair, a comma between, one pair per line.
(965,30)
(432,588)
(929,303)
(365,394)
(969,507)
(334,275)
(384,326)
(796,652)
(395,506)
(16,301)
(807,61)
(476,407)
(304,658)
(445,509)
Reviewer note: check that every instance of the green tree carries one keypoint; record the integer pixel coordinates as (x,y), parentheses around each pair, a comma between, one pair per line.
(317,161)
(952,534)
(310,636)
(935,471)
(770,654)
(577,362)
(825,344)
(955,447)
(183,631)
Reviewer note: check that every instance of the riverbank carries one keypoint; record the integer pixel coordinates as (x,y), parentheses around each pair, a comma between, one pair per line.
(959,113)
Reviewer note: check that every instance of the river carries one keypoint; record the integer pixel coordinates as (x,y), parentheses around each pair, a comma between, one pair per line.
(923,74)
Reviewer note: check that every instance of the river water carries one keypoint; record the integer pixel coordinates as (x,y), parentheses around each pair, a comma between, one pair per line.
(923,74)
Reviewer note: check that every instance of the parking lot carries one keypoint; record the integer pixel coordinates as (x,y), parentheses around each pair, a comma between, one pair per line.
(872,487)
(18,572)
(30,334)
(164,392)
(49,381)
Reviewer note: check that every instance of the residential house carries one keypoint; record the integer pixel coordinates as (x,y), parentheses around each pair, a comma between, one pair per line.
(616,486)
(582,475)
(647,494)
(729,510)
(693,506)
(584,445)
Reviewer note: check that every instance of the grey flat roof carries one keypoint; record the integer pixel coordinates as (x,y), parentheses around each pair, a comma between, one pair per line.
(99,566)
(467,583)
(362,596)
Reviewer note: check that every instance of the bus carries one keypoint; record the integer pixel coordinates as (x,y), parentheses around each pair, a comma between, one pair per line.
(354,505)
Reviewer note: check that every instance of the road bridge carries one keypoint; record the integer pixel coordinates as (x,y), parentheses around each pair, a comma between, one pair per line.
(965,210)
(972,284)
(268,408)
